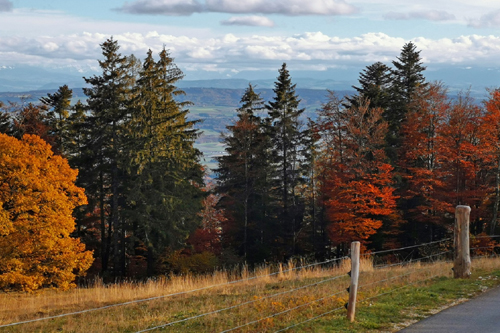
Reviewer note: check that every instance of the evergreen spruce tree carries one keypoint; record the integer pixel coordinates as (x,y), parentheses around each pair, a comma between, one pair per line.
(407,78)
(107,99)
(59,105)
(311,241)
(286,135)
(408,73)
(78,151)
(5,120)
(242,180)
(165,177)
(375,82)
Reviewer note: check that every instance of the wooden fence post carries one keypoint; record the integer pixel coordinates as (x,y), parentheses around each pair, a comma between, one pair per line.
(462,264)
(353,288)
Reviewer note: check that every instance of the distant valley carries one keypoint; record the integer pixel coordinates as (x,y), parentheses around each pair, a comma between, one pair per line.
(215,107)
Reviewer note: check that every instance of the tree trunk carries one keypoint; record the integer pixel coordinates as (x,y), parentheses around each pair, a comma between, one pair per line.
(104,245)
(497,200)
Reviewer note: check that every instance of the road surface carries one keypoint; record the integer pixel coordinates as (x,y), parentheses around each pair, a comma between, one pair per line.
(479,315)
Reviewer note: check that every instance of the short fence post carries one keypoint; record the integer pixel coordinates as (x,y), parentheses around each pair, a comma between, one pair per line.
(462,264)
(353,289)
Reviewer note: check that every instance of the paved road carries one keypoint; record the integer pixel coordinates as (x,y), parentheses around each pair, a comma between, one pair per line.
(479,315)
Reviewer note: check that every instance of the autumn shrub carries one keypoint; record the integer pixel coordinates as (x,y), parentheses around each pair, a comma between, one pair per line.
(482,245)
(180,262)
(37,198)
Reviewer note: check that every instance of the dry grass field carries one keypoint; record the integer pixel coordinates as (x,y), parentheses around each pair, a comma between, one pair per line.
(298,294)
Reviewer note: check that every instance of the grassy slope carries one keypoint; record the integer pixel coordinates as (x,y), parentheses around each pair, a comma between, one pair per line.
(415,296)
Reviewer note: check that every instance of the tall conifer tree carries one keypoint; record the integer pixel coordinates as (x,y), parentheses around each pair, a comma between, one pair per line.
(5,120)
(407,78)
(287,137)
(374,84)
(108,101)
(59,105)
(165,177)
(242,176)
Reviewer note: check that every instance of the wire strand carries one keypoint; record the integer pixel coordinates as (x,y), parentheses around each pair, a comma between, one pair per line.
(169,295)
(407,247)
(385,280)
(392,290)
(340,308)
(411,260)
(244,303)
(310,319)
(280,313)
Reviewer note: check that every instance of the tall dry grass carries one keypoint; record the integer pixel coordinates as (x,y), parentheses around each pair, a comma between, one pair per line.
(16,306)
(214,293)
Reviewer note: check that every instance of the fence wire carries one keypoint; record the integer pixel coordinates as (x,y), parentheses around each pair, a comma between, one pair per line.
(242,304)
(282,312)
(411,261)
(172,294)
(372,297)
(310,319)
(406,247)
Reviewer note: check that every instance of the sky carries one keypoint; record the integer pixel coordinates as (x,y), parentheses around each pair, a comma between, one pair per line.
(252,38)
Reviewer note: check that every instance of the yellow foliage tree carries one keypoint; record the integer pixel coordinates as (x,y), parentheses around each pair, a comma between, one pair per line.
(37,198)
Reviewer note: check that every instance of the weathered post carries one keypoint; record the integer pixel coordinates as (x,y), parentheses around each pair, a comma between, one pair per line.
(462,264)
(353,289)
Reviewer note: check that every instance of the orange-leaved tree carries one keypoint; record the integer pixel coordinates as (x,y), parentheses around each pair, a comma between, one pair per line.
(491,123)
(466,155)
(358,184)
(423,191)
(37,198)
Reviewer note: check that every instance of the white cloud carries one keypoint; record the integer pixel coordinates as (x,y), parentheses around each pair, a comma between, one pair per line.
(489,20)
(310,50)
(162,7)
(257,21)
(431,15)
(49,23)
(6,6)
(283,7)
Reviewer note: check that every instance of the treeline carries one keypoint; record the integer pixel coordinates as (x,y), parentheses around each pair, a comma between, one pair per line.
(385,167)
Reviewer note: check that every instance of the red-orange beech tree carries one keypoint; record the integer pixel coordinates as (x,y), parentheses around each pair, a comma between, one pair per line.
(491,124)
(37,198)
(465,156)
(424,191)
(358,184)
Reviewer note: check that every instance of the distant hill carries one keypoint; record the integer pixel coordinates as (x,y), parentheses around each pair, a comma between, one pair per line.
(201,97)
(206,97)
(31,78)
(302,83)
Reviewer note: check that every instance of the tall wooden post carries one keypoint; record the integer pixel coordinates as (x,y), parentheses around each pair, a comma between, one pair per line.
(353,289)
(462,264)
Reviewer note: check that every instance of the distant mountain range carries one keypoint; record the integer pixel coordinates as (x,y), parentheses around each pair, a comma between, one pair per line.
(201,97)
(21,79)
(16,82)
(26,78)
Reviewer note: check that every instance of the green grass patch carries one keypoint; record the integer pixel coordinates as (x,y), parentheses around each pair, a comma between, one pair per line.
(398,309)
